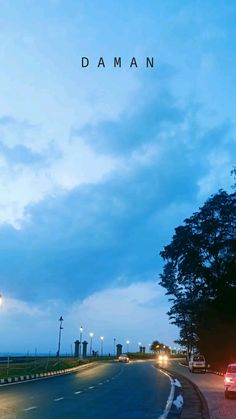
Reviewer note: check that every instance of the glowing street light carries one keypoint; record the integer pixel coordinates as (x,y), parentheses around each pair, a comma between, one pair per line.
(1,299)
(127,345)
(91,334)
(102,339)
(80,340)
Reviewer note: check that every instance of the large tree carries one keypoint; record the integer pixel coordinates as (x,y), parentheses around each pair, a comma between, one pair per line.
(200,277)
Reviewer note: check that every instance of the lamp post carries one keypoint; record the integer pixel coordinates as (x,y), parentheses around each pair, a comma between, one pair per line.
(91,342)
(114,346)
(102,339)
(59,338)
(127,345)
(1,299)
(80,340)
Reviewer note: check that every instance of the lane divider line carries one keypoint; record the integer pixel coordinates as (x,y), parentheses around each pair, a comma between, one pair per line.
(30,408)
(78,392)
(58,399)
(90,388)
(170,398)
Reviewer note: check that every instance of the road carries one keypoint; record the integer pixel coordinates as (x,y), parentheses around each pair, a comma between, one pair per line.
(104,391)
(212,387)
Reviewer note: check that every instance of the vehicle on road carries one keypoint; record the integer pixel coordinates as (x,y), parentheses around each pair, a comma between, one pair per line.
(163,358)
(123,358)
(197,363)
(230,380)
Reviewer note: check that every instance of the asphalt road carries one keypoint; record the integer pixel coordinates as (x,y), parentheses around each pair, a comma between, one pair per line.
(104,391)
(212,387)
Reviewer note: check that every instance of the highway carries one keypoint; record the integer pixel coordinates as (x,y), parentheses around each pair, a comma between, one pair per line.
(103,391)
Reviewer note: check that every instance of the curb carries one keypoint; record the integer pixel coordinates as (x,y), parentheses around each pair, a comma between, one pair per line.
(203,403)
(30,377)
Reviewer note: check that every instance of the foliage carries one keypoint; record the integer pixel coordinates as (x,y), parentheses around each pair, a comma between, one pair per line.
(200,277)
(157,346)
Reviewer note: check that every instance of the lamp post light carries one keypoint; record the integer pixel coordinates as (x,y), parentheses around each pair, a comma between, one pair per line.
(91,342)
(80,341)
(59,337)
(127,345)
(1,299)
(102,339)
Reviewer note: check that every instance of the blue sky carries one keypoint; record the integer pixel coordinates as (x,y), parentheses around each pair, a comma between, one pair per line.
(99,165)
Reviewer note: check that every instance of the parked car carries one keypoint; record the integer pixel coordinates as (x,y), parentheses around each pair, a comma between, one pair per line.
(230,380)
(123,358)
(197,363)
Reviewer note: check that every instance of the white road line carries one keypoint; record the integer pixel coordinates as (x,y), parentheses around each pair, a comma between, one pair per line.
(177,383)
(90,388)
(58,399)
(170,398)
(100,384)
(78,392)
(30,408)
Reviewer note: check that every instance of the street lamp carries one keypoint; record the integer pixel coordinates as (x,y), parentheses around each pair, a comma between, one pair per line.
(80,341)
(1,299)
(127,343)
(59,338)
(114,346)
(102,339)
(91,342)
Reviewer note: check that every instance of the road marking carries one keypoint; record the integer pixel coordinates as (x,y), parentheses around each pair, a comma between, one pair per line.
(177,383)
(30,408)
(78,392)
(178,402)
(100,384)
(90,388)
(170,398)
(58,399)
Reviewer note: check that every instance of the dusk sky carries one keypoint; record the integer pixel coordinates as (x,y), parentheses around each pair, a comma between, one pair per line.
(99,165)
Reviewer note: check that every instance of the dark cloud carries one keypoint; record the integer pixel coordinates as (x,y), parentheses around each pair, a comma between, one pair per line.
(94,235)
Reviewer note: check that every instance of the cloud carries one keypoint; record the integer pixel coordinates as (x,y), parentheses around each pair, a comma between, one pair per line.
(94,217)
(31,170)
(135,312)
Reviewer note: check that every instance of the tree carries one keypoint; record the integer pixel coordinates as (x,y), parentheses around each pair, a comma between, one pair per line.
(157,346)
(200,277)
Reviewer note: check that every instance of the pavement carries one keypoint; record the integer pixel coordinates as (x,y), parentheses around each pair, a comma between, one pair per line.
(212,388)
(103,391)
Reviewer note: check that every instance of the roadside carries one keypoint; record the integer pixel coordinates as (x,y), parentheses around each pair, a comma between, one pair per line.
(212,388)
(194,405)
(28,370)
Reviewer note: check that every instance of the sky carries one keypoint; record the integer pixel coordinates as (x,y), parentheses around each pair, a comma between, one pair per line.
(99,165)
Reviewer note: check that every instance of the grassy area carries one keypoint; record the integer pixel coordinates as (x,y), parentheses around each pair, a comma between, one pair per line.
(16,366)
(31,365)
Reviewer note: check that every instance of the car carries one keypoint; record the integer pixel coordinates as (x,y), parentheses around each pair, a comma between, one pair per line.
(230,380)
(123,358)
(197,363)
(163,358)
